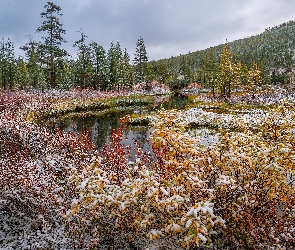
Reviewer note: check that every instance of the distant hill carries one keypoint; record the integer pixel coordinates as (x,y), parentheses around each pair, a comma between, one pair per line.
(273,50)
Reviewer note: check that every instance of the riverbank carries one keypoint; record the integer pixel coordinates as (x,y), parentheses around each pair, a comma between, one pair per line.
(70,196)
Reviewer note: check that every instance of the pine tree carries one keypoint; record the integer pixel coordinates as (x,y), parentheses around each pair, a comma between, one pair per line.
(120,67)
(83,63)
(237,71)
(36,76)
(64,78)
(226,72)
(162,73)
(7,63)
(98,59)
(10,58)
(244,75)
(209,71)
(21,75)
(2,63)
(114,61)
(127,75)
(140,61)
(50,49)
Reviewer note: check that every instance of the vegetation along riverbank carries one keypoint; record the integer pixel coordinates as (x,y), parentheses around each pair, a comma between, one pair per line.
(59,189)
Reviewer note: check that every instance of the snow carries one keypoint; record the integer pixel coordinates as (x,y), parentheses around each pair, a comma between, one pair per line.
(27,230)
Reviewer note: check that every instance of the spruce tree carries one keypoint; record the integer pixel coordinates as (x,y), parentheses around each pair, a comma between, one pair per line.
(10,57)
(50,49)
(83,63)
(64,78)
(209,70)
(2,64)
(21,75)
(255,79)
(226,72)
(140,61)
(120,68)
(114,62)
(99,64)
(34,67)
(127,76)
(7,63)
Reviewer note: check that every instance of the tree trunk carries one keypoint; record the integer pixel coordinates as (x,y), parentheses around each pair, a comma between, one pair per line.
(52,75)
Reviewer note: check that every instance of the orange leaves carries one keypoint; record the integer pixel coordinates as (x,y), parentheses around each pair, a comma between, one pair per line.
(235,187)
(244,171)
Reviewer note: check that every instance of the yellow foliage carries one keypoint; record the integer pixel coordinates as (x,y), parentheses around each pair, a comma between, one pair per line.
(234,186)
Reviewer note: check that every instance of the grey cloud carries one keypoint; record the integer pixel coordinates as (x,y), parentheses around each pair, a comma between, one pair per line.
(169,27)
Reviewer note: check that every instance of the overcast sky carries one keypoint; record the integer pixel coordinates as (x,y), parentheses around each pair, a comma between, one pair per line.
(168,27)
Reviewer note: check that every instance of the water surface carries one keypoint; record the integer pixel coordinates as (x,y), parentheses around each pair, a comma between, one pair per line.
(101,127)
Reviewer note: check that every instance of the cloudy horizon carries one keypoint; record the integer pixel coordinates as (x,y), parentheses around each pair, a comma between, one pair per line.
(168,27)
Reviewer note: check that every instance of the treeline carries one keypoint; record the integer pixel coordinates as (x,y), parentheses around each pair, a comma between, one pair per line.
(219,73)
(47,65)
(271,52)
(267,58)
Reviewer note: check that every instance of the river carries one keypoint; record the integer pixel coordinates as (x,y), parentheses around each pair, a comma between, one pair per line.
(100,127)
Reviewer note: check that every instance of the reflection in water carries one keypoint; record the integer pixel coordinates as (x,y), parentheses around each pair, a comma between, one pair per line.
(100,128)
(138,135)
(175,102)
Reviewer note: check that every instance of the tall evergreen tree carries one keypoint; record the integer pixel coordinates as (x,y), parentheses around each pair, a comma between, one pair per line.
(64,78)
(21,75)
(140,60)
(244,75)
(120,67)
(226,72)
(98,59)
(35,74)
(127,76)
(10,57)
(2,64)
(187,73)
(50,48)
(83,63)
(7,63)
(114,61)
(208,75)
(162,73)
(255,78)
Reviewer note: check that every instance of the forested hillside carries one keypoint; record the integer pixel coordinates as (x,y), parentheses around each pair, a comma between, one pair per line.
(98,151)
(272,50)
(262,59)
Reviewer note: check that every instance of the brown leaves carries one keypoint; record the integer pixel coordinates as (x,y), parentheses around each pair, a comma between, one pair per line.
(238,187)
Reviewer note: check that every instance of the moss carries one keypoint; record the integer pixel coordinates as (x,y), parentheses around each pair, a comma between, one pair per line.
(139,120)
(133,101)
(89,107)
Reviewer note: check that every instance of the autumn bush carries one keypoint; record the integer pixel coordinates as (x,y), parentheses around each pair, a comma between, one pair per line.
(235,193)
(248,175)
(34,168)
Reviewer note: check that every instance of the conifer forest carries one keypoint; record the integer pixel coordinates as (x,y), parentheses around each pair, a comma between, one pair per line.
(195,151)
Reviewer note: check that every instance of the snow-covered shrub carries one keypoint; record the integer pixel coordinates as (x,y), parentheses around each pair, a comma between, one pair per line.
(152,88)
